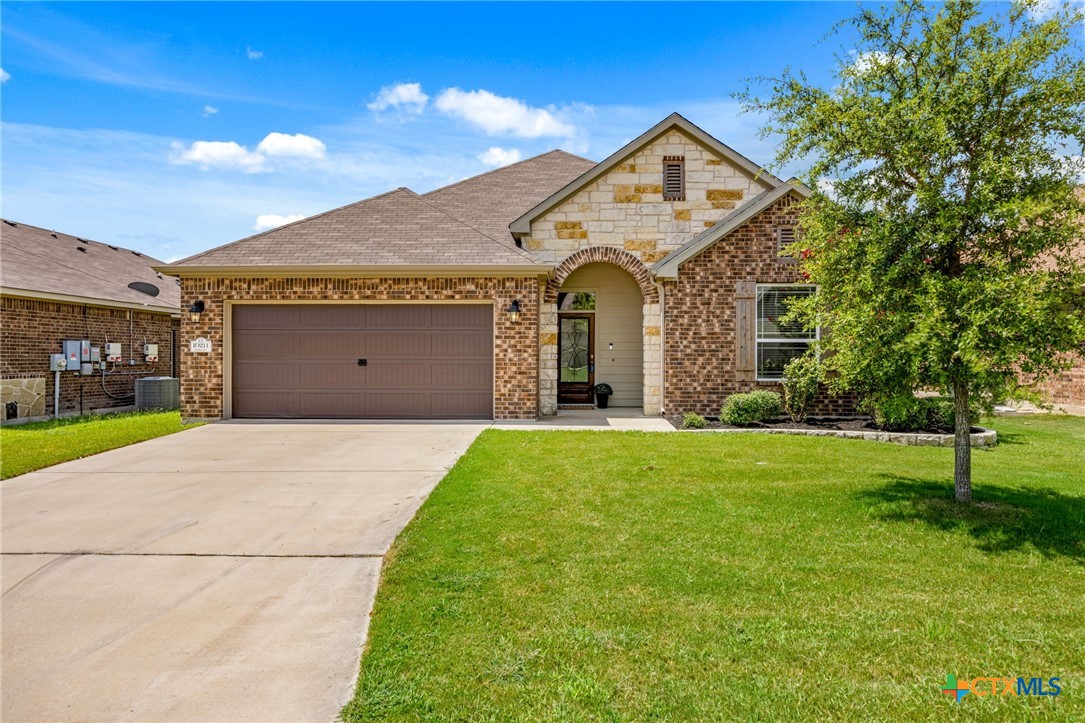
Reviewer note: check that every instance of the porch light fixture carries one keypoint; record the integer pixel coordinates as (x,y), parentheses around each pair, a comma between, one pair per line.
(194,311)
(514,311)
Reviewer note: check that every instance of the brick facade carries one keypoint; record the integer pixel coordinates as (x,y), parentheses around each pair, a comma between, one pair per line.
(1068,386)
(33,329)
(700,323)
(516,353)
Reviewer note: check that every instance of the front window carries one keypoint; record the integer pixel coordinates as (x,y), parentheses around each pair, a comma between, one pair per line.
(777,342)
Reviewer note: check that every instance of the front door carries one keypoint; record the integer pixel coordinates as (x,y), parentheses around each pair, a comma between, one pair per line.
(576,358)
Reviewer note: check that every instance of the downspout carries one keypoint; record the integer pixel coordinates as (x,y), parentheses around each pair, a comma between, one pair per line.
(662,351)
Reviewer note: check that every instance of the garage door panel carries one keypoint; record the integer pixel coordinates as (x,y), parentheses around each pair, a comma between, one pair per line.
(260,404)
(423,361)
(265,345)
(331,375)
(331,404)
(405,345)
(461,376)
(270,316)
(268,374)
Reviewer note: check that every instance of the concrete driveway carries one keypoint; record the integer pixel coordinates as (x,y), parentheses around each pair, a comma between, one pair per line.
(225,573)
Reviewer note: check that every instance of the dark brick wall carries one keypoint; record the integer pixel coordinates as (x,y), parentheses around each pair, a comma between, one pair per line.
(699,316)
(31,330)
(516,351)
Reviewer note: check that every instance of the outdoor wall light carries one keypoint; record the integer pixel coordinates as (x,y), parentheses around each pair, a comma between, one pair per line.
(194,311)
(514,311)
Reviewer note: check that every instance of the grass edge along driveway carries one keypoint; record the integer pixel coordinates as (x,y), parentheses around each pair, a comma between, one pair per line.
(586,576)
(36,445)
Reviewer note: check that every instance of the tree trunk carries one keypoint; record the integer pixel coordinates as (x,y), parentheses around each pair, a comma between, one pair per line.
(962,444)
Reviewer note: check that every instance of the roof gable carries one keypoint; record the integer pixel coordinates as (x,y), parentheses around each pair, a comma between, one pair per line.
(399,228)
(668,267)
(522,225)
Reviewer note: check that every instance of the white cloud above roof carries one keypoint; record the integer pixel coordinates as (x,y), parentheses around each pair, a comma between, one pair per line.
(400,96)
(499,115)
(254,54)
(298,145)
(268,221)
(209,110)
(496,156)
(218,154)
(4,76)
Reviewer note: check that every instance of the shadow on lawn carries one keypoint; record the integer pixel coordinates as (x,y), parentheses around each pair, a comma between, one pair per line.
(1000,519)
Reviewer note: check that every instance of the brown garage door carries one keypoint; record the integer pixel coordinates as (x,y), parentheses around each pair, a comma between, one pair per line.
(363,361)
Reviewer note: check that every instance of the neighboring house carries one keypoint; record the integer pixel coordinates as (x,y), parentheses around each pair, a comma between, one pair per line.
(509,294)
(55,287)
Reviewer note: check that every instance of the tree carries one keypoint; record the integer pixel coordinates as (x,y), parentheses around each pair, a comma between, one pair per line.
(943,215)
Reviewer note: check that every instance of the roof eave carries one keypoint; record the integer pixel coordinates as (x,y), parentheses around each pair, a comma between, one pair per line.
(89,300)
(668,267)
(357,271)
(522,226)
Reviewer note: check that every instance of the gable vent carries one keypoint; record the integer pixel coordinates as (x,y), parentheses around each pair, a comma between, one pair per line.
(674,178)
(785,236)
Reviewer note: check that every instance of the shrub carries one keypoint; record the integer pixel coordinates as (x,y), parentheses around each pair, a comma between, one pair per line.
(742,410)
(691,420)
(802,375)
(602,389)
(914,414)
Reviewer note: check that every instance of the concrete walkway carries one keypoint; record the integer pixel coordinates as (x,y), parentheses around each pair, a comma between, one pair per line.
(220,574)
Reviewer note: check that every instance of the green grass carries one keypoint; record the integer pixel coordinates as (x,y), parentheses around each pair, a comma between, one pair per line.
(27,447)
(632,576)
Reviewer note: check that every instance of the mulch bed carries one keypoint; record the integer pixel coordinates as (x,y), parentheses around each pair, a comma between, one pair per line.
(860,424)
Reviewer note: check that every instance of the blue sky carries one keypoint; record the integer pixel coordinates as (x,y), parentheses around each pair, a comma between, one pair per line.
(172,128)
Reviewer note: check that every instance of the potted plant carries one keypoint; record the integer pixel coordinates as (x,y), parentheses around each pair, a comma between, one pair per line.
(602,395)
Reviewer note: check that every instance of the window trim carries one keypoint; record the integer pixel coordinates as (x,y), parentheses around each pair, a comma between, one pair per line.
(679,161)
(758,341)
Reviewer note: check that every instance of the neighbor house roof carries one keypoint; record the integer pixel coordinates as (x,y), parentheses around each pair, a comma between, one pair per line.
(668,267)
(397,229)
(39,263)
(522,225)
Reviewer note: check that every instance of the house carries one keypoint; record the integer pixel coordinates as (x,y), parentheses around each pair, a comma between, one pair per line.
(509,294)
(54,288)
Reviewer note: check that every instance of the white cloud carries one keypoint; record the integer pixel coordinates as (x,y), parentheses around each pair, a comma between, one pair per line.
(268,221)
(254,54)
(218,154)
(209,110)
(497,157)
(4,76)
(281,145)
(497,115)
(234,156)
(405,96)
(865,62)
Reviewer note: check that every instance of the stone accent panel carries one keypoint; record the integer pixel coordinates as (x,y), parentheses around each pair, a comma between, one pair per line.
(625,208)
(32,329)
(600,254)
(28,396)
(700,325)
(516,345)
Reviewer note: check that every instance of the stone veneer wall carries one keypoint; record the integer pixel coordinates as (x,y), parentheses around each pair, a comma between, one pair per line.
(700,324)
(624,211)
(516,354)
(32,329)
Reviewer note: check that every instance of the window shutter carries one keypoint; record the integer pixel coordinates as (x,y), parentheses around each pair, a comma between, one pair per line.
(745,330)
(674,178)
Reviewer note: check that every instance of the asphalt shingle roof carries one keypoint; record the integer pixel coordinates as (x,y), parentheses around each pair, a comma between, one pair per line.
(464,224)
(39,260)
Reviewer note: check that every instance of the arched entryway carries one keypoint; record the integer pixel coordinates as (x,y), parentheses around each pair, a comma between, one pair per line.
(599,322)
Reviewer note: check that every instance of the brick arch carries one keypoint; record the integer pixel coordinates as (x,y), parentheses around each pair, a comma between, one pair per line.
(607,255)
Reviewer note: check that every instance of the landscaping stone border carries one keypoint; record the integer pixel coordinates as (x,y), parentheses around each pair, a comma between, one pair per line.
(986,438)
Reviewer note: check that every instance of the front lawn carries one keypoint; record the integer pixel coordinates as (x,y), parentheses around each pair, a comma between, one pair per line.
(609,575)
(27,447)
